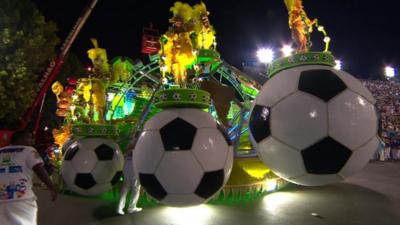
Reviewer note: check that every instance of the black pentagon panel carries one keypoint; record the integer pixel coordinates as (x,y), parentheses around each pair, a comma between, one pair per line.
(84,180)
(259,122)
(71,152)
(323,84)
(210,183)
(152,186)
(325,157)
(116,178)
(224,133)
(104,152)
(178,135)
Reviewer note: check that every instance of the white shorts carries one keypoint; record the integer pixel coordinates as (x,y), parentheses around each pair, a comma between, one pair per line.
(21,212)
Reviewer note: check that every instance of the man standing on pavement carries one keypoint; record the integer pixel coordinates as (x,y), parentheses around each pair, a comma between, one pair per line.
(18,161)
(130,183)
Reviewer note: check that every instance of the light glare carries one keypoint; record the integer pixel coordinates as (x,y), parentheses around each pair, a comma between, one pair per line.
(338,64)
(275,202)
(361,101)
(194,215)
(287,50)
(313,113)
(265,55)
(327,39)
(389,71)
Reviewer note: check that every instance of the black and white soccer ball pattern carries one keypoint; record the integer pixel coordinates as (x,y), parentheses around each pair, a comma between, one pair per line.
(92,165)
(182,158)
(314,125)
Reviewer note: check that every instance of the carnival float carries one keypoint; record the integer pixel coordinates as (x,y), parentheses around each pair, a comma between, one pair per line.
(322,126)
(188,108)
(203,130)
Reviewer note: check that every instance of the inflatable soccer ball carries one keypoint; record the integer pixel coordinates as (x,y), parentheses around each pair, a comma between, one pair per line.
(182,158)
(92,165)
(314,125)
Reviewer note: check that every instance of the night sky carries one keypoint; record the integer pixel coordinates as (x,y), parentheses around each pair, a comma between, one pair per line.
(364,33)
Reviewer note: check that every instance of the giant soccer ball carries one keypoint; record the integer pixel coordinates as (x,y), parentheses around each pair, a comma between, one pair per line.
(92,165)
(182,158)
(314,125)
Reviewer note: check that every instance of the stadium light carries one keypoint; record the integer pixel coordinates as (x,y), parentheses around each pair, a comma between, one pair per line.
(287,50)
(265,55)
(338,64)
(390,71)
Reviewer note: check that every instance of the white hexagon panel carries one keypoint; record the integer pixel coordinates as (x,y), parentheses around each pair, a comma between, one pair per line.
(359,157)
(186,174)
(148,152)
(182,199)
(302,117)
(329,120)
(189,157)
(275,85)
(228,164)
(352,119)
(355,85)
(68,173)
(210,148)
(85,159)
(273,152)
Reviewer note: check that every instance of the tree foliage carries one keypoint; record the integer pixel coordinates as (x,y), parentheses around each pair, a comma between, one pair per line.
(27,43)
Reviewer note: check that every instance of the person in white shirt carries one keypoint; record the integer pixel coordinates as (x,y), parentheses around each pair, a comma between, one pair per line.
(18,162)
(387,152)
(130,183)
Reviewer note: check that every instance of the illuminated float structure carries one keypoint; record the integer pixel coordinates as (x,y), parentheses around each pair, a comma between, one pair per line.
(322,127)
(120,94)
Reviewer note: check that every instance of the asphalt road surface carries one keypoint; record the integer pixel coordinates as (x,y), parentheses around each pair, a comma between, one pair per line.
(371,197)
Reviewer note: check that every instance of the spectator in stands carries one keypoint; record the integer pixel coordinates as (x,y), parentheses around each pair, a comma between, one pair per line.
(387,95)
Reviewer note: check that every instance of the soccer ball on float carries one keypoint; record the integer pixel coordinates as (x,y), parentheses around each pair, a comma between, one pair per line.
(92,166)
(182,158)
(314,125)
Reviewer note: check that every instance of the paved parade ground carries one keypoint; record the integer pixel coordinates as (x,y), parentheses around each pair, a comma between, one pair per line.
(371,197)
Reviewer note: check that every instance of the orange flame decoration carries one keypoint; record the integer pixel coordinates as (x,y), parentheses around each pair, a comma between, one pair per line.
(300,24)
(64,99)
(62,135)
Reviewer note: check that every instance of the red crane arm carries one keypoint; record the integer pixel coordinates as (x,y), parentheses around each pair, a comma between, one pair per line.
(49,75)
(55,65)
